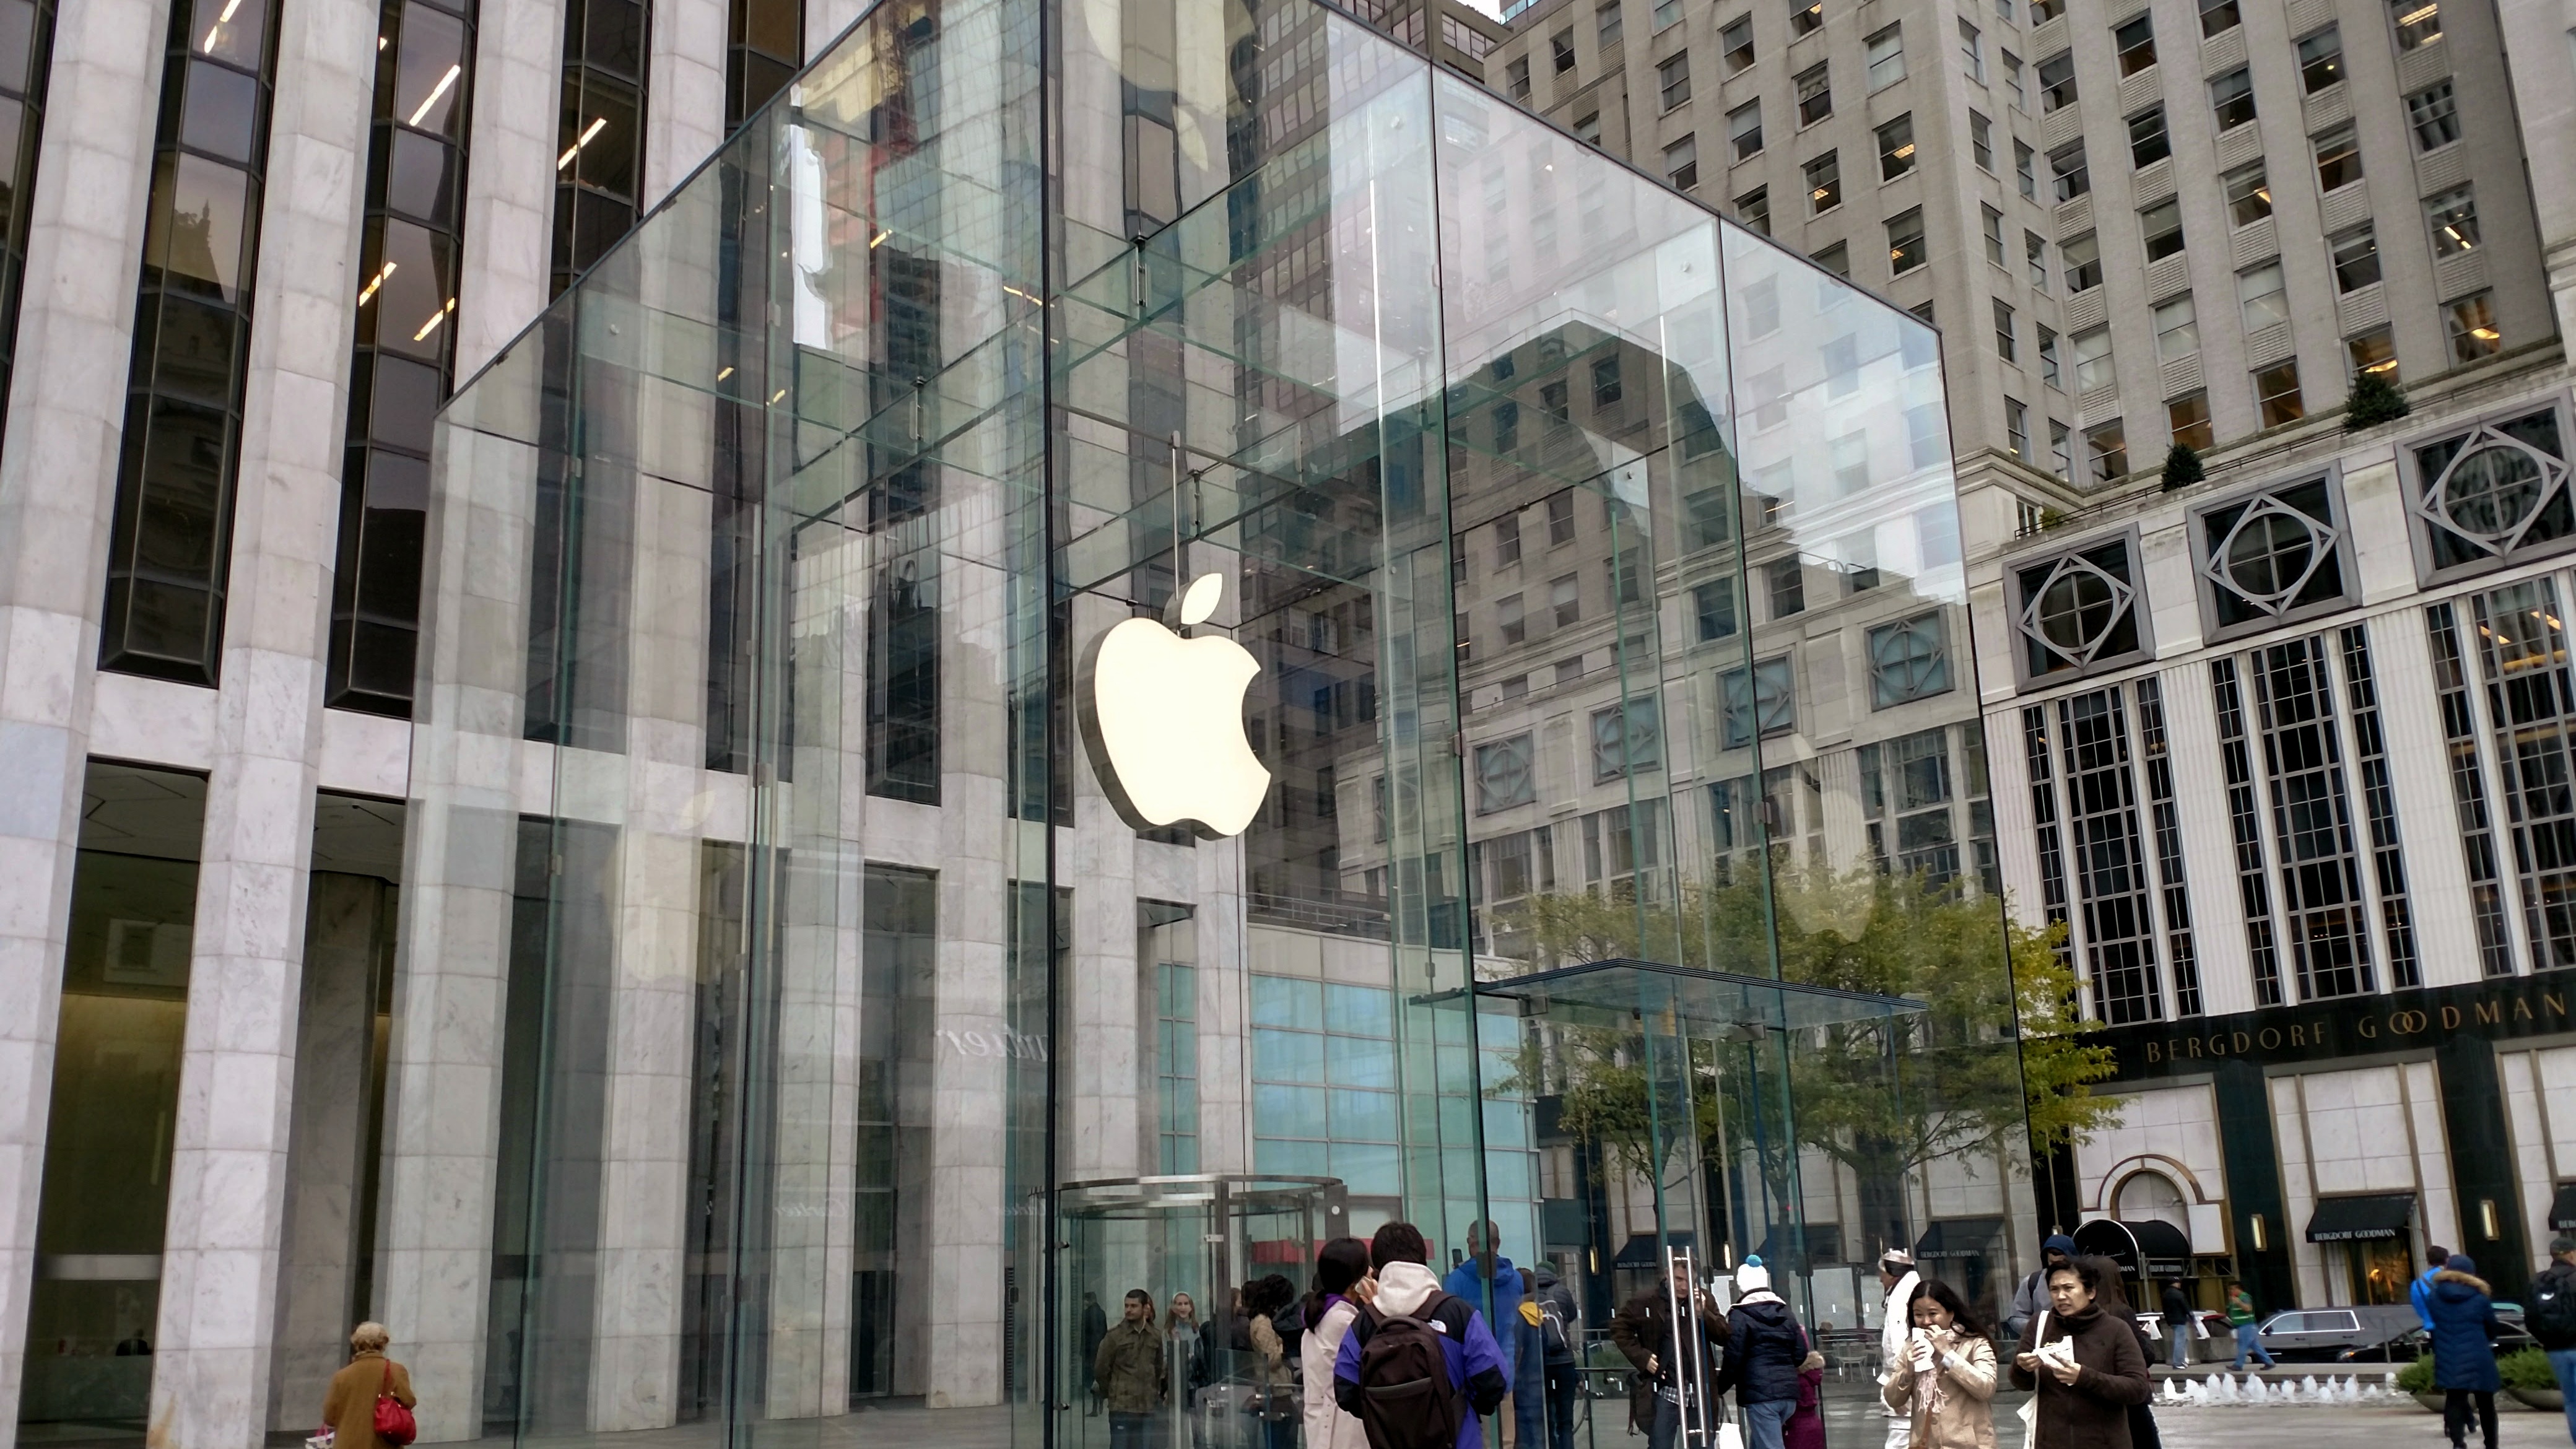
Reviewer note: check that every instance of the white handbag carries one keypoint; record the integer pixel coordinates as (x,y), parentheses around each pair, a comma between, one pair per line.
(2030,1406)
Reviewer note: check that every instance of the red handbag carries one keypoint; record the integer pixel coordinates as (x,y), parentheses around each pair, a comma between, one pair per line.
(394,1423)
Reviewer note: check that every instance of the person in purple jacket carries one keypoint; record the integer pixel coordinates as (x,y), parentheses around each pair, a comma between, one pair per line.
(1405,1284)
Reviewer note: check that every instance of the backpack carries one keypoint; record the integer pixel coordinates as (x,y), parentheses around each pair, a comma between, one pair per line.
(1406,1398)
(2551,1313)
(1551,1330)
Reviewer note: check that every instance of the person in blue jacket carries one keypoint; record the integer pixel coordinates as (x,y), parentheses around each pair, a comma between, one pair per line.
(1404,1285)
(2464,1361)
(1486,1265)
(1766,1350)
(2420,1292)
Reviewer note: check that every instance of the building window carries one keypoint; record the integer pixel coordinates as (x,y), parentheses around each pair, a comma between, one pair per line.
(2135,41)
(2373,351)
(1516,77)
(1887,57)
(2043,800)
(1905,249)
(1552,401)
(1713,608)
(1786,581)
(1326,1088)
(2026,170)
(1981,141)
(1908,660)
(2034,251)
(1668,13)
(1507,425)
(2249,195)
(1896,148)
(1626,738)
(1815,94)
(2453,216)
(1761,702)
(2147,141)
(2338,155)
(2470,324)
(1835,259)
(1850,456)
(2245,822)
(1504,775)
(2109,447)
(1507,541)
(2162,226)
(2312,820)
(2156,762)
(1735,42)
(1806,19)
(2379,798)
(2012,81)
(1561,50)
(1753,209)
(1927,436)
(1824,183)
(1993,228)
(1972,52)
(2177,328)
(2057,81)
(1606,27)
(903,679)
(2276,395)
(2078,611)
(2017,428)
(1706,517)
(1510,619)
(2469,792)
(2110,866)
(2005,345)
(1587,128)
(1909,790)
(2321,60)
(1672,78)
(2356,258)
(2048,371)
(2061,449)
(2434,116)
(2231,99)
(2273,557)
(2260,296)
(1560,520)
(2419,22)
(2093,359)
(1744,129)
(2044,11)
(1164,932)
(2066,168)
(1565,600)
(2218,17)
(1681,164)
(2187,417)
(2494,494)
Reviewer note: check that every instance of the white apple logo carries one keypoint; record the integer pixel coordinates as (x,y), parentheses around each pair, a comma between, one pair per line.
(1165,722)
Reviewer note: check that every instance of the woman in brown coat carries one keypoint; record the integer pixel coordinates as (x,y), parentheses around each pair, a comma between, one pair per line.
(2084,1397)
(349,1405)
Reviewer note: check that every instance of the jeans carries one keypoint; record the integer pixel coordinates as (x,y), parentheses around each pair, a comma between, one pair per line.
(2563,1361)
(2248,1341)
(1763,1420)
(2181,1345)
(1564,1386)
(1130,1431)
(2456,1407)
(1668,1423)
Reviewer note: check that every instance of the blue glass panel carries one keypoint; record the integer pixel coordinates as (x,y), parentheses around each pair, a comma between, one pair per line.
(1287,1111)
(1286,1001)
(1363,1116)
(1362,1062)
(1359,1010)
(1287,1056)
(1369,1169)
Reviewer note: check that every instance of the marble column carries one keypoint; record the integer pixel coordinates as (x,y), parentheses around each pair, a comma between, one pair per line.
(57,490)
(510,187)
(228,1163)
(1107,1108)
(684,106)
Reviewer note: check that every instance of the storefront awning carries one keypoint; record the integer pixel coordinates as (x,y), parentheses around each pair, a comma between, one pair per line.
(1641,1250)
(2361,1219)
(1955,1238)
(2562,1209)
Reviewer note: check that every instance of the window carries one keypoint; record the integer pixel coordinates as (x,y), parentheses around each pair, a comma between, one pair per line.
(2048,368)
(2161,224)
(1857,560)
(2356,258)
(1672,78)
(1705,514)
(1815,94)
(1824,183)
(2271,556)
(2147,142)
(1994,231)
(1835,259)
(2066,169)
(2231,99)
(1681,164)
(1744,129)
(1761,702)
(2188,417)
(2017,428)
(1552,401)
(1587,129)
(1605,381)
(2470,324)
(1896,147)
(1908,660)
(2497,494)
(1606,28)
(1787,583)
(2249,195)
(1972,52)
(2259,292)
(1510,619)
(1560,522)
(2012,81)
(1753,208)
(1507,540)
(2321,59)
(2454,219)
(1626,737)
(1503,775)
(1981,141)
(1806,19)
(1713,606)
(1516,78)
(1561,46)
(2108,447)
(1507,425)
(2373,351)
(2034,250)
(2025,170)
(2057,81)
(2276,395)
(2092,358)
(1735,42)
(1841,357)
(1927,436)
(2434,115)
(2044,11)
(2338,157)
(2061,447)
(2177,328)
(1887,57)
(1905,249)
(2218,17)
(2135,40)
(1668,13)
(1565,597)
(2005,345)
(2419,22)
(2081,259)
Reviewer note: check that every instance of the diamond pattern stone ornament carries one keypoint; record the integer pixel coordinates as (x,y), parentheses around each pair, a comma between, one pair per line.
(2076,609)
(2495,490)
(2270,554)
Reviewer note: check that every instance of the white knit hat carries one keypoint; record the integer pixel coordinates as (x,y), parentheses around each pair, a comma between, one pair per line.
(1751,1276)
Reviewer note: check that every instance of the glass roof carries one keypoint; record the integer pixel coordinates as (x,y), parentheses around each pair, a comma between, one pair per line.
(1598,992)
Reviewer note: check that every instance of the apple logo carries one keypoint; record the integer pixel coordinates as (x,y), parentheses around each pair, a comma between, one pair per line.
(1164,721)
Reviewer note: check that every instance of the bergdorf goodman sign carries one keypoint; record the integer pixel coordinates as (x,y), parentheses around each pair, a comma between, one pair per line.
(2531,1006)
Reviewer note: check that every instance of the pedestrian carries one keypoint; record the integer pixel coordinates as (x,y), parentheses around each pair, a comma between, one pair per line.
(2249,1339)
(1805,1427)
(1896,1283)
(2464,1362)
(2178,1322)
(2420,1292)
(2115,1302)
(1642,1331)
(1766,1350)
(1127,1372)
(2549,1315)
(1944,1381)
(1095,1327)
(2082,1365)
(349,1404)
(1185,1363)
(1562,1370)
(1274,1395)
(1342,1289)
(1488,1280)
(2032,1295)
(1386,1349)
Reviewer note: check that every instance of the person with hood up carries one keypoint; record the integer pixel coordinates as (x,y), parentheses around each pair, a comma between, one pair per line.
(2032,1295)
(1945,1380)
(2464,1361)
(1487,1267)
(1405,1286)
(1643,1333)
(1897,1280)
(1342,1288)
(2083,1364)
(1561,1370)
(1766,1351)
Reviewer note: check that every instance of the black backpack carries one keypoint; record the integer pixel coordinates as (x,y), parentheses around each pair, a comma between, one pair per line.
(2551,1313)
(1406,1398)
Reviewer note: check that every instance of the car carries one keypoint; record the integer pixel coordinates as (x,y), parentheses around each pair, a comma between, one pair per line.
(2369,1333)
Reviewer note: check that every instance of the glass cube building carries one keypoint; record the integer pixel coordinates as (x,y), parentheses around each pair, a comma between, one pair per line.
(803,1026)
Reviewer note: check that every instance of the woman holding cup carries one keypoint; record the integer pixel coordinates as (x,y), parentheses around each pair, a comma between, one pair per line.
(1944,1381)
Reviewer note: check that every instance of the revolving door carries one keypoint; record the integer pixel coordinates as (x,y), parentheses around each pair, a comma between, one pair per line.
(1206,1236)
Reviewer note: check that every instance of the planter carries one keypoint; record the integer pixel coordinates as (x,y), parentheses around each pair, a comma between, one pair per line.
(2431,1399)
(2550,1399)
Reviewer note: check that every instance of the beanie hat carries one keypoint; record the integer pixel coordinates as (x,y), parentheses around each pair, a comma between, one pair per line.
(2460,1263)
(1752,1277)
(2060,1243)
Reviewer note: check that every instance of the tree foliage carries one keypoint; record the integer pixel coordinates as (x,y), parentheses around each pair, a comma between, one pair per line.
(2182,467)
(2374,400)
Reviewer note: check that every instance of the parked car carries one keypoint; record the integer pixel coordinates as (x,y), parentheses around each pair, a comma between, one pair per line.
(2372,1333)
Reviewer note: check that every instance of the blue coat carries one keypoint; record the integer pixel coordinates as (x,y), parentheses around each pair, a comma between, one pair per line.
(1467,1281)
(1764,1347)
(2463,1318)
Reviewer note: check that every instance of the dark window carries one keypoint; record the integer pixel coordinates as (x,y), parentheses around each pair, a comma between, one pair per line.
(1815,94)
(2218,17)
(2147,142)
(2135,40)
(2321,59)
(2249,195)
(2434,116)
(2338,157)
(1896,148)
(2161,224)
(2057,81)
(599,147)
(1787,581)
(2356,258)
(2231,99)
(2082,257)
(765,44)
(1735,42)
(1824,183)
(2066,167)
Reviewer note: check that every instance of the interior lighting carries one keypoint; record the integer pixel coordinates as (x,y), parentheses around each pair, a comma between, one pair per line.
(367,293)
(220,22)
(435,318)
(587,132)
(438,90)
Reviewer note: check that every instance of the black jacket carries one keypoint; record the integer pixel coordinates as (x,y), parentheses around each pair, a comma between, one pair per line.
(1764,1347)
(2555,1280)
(1551,1292)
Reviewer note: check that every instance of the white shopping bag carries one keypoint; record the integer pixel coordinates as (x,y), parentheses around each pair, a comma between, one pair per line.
(1729,1436)
(2030,1406)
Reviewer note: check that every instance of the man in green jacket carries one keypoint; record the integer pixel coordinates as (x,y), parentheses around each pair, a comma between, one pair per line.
(2240,1316)
(1127,1370)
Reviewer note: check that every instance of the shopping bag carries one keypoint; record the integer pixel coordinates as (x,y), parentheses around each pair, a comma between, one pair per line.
(1729,1436)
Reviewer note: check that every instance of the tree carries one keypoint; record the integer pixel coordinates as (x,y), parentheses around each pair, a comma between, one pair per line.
(2375,399)
(2182,467)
